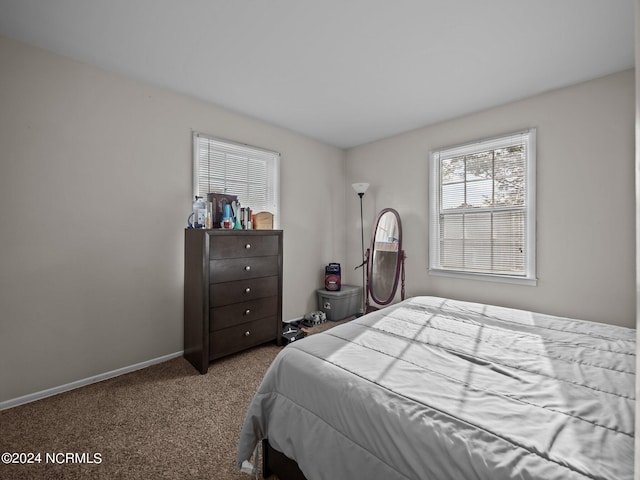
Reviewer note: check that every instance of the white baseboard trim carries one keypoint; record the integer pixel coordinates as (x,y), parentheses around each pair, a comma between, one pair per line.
(32,397)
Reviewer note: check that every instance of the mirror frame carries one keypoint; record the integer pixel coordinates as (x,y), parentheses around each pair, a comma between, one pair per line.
(399,270)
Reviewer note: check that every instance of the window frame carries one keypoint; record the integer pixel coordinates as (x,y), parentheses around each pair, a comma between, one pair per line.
(435,184)
(249,150)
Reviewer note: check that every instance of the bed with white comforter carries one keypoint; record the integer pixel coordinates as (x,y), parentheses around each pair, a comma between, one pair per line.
(437,389)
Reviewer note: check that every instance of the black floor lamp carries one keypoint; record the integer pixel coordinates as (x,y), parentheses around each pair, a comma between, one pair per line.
(360,188)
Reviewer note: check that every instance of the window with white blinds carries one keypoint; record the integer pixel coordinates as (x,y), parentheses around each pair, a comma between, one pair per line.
(482,209)
(251,173)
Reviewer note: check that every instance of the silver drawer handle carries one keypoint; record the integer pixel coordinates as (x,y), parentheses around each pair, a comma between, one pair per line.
(247,290)
(247,246)
(247,333)
(247,268)
(247,311)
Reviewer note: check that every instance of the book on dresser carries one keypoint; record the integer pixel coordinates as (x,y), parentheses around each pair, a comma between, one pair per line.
(232,292)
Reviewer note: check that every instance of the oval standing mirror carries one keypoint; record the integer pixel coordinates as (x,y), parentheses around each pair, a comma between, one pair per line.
(385,259)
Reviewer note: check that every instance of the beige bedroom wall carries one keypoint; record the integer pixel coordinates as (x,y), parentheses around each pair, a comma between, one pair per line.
(95,190)
(585,199)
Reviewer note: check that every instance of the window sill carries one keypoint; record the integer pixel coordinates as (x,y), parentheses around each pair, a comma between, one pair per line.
(486,277)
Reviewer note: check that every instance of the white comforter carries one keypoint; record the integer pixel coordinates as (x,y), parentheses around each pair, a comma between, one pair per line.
(436,389)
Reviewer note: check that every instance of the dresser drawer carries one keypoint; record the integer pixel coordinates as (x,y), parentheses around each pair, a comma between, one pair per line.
(234,246)
(234,314)
(239,337)
(228,270)
(242,290)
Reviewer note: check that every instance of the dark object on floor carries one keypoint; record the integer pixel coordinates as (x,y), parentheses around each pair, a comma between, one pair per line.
(291,333)
(302,323)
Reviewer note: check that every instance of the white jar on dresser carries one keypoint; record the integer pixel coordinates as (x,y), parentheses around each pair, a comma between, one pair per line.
(232,292)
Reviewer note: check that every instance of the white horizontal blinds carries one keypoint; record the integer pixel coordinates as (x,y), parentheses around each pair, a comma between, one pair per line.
(248,172)
(481,219)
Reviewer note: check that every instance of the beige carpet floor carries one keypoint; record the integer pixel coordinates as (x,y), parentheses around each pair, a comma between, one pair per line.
(163,422)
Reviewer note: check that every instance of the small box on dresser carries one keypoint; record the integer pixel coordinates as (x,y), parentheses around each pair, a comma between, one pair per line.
(232,292)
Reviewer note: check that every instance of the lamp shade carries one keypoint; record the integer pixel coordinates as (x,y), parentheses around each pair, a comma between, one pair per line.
(360,188)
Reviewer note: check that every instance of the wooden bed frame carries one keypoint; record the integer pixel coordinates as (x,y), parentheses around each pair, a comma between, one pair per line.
(277,463)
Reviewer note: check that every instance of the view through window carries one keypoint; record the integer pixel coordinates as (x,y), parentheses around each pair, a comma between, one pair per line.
(482,212)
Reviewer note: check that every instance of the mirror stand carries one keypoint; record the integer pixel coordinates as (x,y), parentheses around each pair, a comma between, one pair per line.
(384,261)
(368,307)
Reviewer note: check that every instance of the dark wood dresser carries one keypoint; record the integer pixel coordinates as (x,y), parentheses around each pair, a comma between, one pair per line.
(232,292)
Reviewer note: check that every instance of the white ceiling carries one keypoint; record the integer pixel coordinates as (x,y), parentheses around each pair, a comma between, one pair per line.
(345,72)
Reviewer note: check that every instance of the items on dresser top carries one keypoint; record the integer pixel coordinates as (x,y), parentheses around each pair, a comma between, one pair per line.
(263,221)
(232,292)
(218,210)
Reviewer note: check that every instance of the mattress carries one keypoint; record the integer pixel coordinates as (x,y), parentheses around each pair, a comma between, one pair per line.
(433,388)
